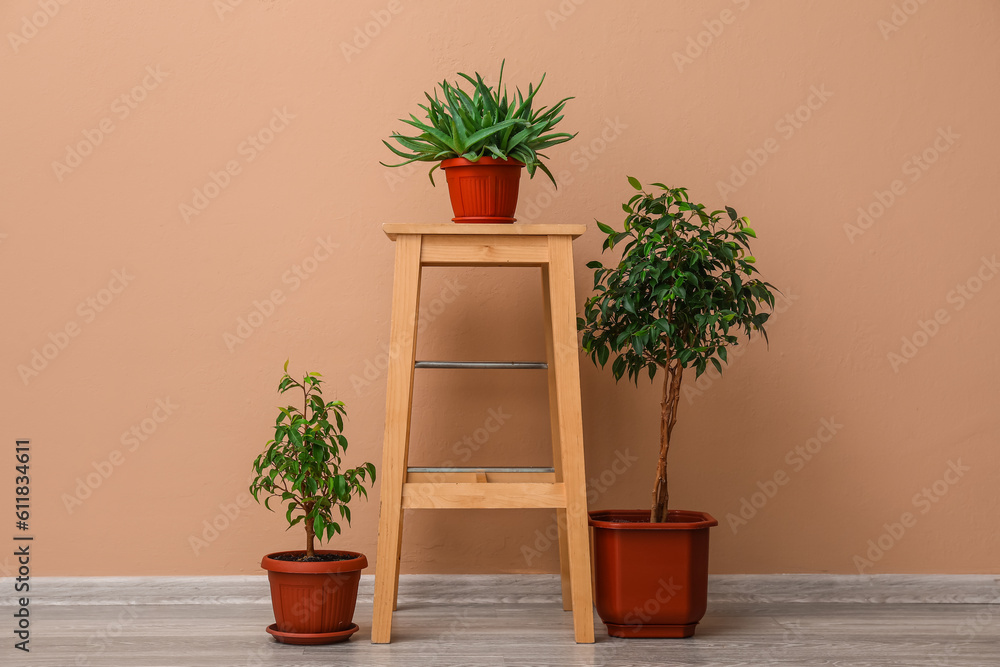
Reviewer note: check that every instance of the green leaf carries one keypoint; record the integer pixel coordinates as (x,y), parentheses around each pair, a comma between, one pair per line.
(634,183)
(677,291)
(637,345)
(604,228)
(618,367)
(628,305)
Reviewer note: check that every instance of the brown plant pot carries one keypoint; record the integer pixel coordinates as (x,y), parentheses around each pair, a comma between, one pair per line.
(484,191)
(651,579)
(314,602)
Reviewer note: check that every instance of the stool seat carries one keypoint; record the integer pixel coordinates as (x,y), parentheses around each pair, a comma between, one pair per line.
(561,487)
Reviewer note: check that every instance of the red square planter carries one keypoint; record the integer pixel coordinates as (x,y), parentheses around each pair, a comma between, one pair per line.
(651,578)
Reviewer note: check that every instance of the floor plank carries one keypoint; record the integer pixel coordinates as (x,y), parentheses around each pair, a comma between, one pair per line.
(470,628)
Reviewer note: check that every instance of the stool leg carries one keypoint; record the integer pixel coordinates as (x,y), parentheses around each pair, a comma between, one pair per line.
(399,557)
(567,597)
(567,375)
(399,400)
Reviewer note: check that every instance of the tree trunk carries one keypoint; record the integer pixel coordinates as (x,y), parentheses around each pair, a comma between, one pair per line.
(310,535)
(668,417)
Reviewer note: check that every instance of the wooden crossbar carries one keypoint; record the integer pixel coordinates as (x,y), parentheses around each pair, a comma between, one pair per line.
(488,495)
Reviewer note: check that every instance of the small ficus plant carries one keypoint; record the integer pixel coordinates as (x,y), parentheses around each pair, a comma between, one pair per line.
(302,464)
(682,290)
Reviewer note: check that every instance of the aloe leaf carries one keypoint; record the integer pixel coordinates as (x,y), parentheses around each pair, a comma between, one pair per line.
(521,136)
(397,151)
(416,145)
(467,104)
(545,170)
(486,132)
(434,132)
(496,152)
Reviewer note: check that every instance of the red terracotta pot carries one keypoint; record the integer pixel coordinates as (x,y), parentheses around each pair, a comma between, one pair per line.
(314,598)
(651,579)
(484,191)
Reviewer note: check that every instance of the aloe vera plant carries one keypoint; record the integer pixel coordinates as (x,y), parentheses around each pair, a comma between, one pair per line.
(484,122)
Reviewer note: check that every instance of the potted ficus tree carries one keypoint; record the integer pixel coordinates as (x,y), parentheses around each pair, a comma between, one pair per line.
(313,591)
(682,291)
(482,139)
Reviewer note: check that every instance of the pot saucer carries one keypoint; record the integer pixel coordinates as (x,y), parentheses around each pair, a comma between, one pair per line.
(646,630)
(311,639)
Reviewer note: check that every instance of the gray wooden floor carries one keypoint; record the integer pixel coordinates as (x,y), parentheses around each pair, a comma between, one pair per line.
(456,625)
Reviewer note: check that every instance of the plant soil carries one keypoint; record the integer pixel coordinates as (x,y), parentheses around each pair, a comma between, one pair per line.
(318,558)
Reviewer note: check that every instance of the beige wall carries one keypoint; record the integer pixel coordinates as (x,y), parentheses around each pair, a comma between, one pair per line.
(113,222)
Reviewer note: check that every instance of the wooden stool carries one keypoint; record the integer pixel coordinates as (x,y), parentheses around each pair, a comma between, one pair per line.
(562,487)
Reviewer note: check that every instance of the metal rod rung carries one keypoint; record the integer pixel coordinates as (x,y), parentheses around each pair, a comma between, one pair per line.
(510,365)
(481,469)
